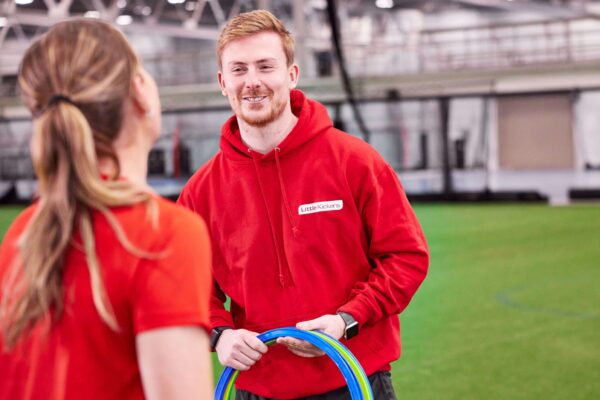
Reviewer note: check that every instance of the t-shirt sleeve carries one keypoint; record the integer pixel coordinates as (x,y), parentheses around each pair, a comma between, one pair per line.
(173,288)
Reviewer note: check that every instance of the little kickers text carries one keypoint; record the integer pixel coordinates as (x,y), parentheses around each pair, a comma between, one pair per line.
(321,206)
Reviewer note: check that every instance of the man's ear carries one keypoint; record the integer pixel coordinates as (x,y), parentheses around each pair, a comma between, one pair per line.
(294,72)
(221,83)
(139,94)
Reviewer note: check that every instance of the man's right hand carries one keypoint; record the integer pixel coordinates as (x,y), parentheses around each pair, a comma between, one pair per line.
(239,349)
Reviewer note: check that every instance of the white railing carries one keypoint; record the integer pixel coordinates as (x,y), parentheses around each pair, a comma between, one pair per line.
(501,47)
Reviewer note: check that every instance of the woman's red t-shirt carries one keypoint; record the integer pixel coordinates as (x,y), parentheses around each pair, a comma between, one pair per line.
(79,356)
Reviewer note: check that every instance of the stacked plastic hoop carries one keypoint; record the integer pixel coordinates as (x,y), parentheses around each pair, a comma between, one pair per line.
(355,377)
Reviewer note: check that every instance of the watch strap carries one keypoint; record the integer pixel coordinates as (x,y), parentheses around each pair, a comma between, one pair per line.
(215,335)
(351,328)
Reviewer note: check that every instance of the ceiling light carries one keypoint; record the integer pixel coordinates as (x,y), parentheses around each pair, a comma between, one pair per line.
(176,1)
(3,21)
(124,19)
(319,4)
(146,10)
(384,3)
(121,3)
(23,2)
(91,14)
(190,5)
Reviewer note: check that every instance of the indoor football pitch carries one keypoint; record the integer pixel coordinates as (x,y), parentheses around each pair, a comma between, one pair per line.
(510,308)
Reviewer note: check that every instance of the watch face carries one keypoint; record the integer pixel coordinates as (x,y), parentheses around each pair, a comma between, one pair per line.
(351,330)
(351,325)
(214,336)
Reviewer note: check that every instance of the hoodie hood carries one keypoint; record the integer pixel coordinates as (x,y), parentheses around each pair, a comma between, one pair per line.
(313,120)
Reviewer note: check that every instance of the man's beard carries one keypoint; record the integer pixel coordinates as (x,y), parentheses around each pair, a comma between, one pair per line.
(277,106)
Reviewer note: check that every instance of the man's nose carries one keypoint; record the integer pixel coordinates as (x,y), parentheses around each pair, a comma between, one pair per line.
(252,79)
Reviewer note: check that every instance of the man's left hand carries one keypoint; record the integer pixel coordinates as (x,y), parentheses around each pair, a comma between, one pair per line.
(333,325)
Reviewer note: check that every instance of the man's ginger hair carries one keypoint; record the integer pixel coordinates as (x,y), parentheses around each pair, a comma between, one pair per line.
(251,23)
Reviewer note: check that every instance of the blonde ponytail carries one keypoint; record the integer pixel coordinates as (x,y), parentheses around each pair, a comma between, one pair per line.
(78,108)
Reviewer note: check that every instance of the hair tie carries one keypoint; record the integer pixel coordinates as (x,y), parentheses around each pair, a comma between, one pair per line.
(57,98)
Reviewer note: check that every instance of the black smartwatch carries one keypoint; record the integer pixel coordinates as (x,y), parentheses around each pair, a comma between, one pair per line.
(351,325)
(215,335)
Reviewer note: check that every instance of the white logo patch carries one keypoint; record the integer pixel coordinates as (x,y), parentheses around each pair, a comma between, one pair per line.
(321,206)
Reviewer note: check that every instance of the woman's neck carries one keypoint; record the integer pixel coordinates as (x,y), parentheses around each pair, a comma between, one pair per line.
(133,159)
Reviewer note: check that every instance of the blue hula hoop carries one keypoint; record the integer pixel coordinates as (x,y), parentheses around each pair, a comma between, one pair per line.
(356,379)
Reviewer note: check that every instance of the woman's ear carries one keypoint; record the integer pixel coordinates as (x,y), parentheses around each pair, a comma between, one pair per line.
(139,94)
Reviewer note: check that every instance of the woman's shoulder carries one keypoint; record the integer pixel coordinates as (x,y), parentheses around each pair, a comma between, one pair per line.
(177,216)
(175,222)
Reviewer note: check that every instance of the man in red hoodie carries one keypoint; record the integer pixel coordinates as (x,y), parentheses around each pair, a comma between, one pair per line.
(310,228)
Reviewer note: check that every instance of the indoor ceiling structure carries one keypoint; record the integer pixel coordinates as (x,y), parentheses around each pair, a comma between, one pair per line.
(20,20)
(176,37)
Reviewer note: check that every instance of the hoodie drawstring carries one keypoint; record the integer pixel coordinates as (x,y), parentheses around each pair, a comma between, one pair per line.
(282,279)
(295,229)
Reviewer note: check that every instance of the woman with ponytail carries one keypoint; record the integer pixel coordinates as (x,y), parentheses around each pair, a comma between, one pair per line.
(103,285)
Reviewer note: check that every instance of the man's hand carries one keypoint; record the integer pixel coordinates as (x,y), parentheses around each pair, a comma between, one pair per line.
(333,325)
(239,349)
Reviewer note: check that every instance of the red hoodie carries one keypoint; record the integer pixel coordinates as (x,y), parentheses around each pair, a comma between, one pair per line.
(319,224)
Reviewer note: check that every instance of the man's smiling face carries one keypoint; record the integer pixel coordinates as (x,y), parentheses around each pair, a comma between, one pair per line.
(256,79)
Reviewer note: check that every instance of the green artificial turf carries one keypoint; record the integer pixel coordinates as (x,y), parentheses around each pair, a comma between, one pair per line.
(510,308)
(7,215)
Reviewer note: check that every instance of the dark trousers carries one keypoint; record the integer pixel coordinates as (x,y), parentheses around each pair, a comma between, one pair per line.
(381,383)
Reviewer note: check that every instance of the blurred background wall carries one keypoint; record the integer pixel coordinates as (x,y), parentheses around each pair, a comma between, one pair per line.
(465,98)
